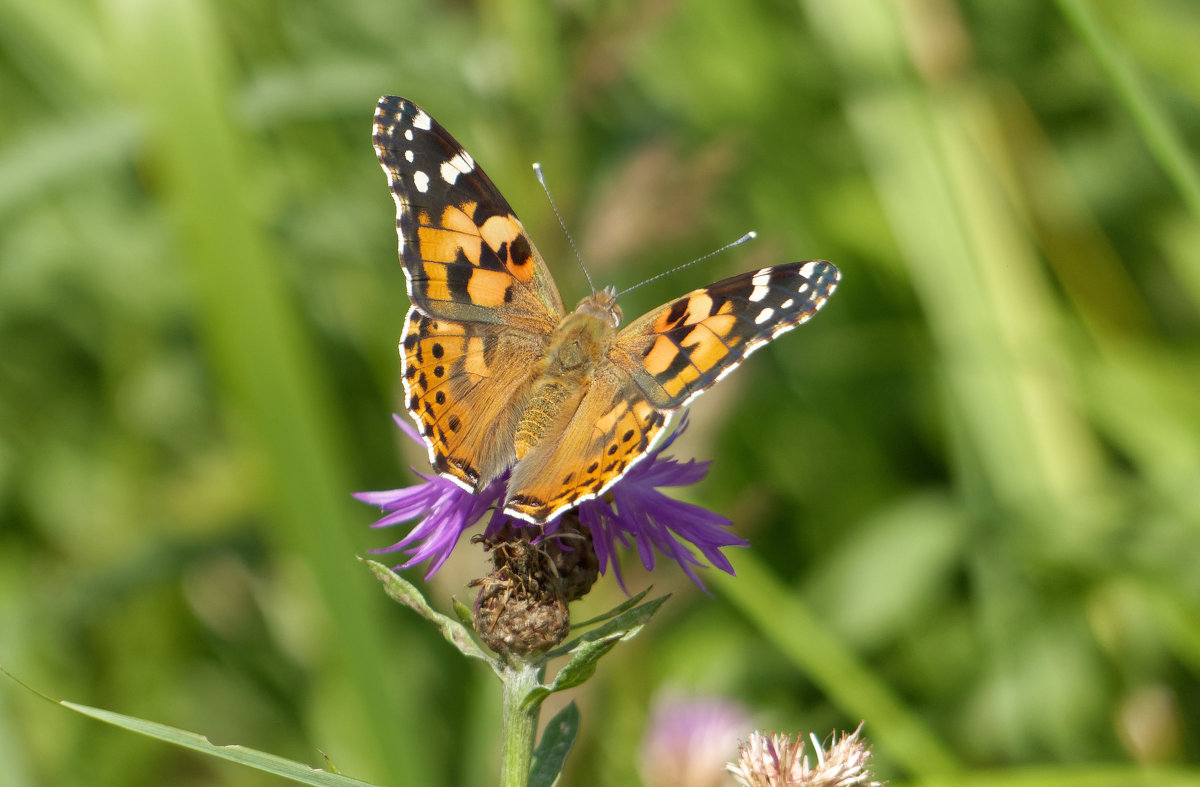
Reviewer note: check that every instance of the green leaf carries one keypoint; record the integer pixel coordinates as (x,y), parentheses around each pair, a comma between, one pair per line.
(617,610)
(588,648)
(553,748)
(406,593)
(535,696)
(252,758)
(627,624)
(581,666)
(583,662)
(296,771)
(464,613)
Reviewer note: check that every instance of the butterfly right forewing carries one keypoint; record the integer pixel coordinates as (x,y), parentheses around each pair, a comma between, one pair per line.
(659,363)
(675,352)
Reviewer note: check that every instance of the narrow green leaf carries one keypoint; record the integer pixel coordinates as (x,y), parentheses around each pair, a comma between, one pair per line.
(1159,132)
(555,745)
(296,771)
(581,666)
(627,623)
(463,613)
(583,663)
(535,696)
(252,758)
(617,610)
(407,594)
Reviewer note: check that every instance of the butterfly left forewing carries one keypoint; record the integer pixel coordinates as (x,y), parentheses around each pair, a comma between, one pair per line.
(484,302)
(465,253)
(675,352)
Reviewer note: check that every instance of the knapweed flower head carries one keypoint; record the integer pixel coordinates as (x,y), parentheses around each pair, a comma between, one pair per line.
(634,513)
(521,608)
(688,740)
(779,760)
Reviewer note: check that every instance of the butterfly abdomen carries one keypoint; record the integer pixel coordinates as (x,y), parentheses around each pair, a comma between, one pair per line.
(545,404)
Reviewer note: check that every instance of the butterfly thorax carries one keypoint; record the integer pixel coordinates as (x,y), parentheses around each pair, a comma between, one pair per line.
(602,305)
(578,345)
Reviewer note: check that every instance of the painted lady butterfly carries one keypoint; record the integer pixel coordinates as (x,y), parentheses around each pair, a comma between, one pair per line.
(498,376)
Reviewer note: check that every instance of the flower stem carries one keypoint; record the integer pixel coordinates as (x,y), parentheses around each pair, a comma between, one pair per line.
(520,724)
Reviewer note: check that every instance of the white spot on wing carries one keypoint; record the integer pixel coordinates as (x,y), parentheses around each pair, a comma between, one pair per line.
(787,304)
(786,325)
(422,121)
(461,164)
(408,134)
(408,156)
(421,181)
(761,282)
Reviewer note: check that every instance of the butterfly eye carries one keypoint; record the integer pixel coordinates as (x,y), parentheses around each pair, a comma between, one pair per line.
(615,311)
(608,298)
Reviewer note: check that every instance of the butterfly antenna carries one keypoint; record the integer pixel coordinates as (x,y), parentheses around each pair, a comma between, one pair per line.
(747,237)
(537,169)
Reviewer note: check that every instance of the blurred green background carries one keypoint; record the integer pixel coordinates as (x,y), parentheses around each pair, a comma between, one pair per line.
(972,484)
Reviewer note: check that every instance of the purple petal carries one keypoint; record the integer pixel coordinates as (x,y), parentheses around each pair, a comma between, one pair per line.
(638,515)
(407,427)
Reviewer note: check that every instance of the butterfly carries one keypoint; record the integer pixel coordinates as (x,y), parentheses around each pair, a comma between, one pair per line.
(499,377)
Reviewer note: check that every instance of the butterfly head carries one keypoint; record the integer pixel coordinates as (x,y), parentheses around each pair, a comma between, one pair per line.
(603,305)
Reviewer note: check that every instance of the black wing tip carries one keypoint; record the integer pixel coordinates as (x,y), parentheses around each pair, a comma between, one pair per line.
(818,268)
(822,275)
(390,102)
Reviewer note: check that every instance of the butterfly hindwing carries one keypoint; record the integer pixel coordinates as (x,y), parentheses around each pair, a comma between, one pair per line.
(608,433)
(466,255)
(465,385)
(675,352)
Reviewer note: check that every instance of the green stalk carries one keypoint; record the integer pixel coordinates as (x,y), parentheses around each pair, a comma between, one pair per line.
(520,723)
(1160,134)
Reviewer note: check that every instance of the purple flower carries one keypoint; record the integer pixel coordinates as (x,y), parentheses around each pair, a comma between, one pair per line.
(688,740)
(637,515)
